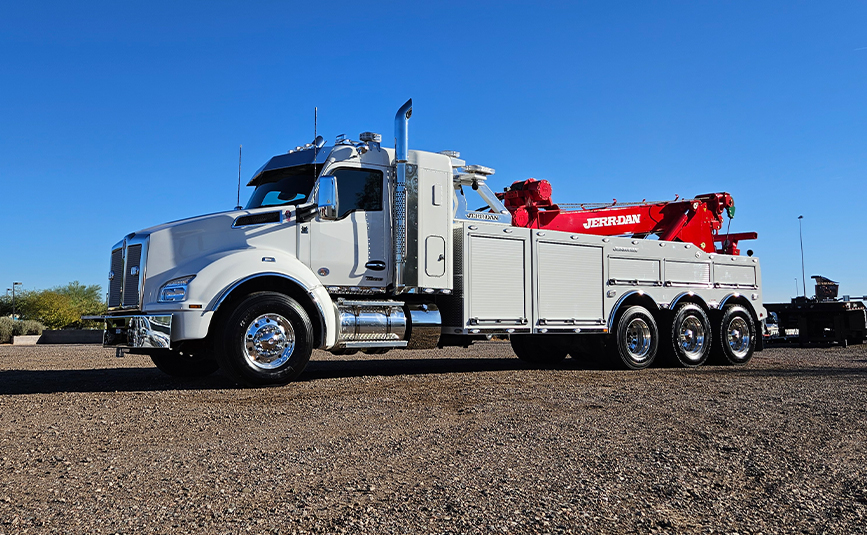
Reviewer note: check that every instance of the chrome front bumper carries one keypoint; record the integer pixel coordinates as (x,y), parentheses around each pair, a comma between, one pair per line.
(141,331)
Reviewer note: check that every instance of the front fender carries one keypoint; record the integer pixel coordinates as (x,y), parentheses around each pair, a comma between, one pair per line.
(225,272)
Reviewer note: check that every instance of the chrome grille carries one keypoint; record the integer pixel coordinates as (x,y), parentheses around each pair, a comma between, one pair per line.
(130,280)
(116,282)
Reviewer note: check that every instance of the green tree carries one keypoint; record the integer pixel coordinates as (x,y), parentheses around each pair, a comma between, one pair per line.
(50,307)
(88,300)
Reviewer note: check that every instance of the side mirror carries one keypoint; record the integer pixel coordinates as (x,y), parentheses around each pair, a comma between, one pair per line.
(326,197)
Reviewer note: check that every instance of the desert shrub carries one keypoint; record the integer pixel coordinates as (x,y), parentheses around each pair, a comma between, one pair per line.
(63,306)
(6,330)
(26,327)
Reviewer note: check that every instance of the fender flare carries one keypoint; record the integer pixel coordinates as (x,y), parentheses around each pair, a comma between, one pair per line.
(616,308)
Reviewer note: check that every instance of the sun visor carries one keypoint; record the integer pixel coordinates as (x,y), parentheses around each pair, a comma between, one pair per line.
(299,157)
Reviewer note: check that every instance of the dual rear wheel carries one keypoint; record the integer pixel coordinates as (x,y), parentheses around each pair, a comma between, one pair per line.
(688,339)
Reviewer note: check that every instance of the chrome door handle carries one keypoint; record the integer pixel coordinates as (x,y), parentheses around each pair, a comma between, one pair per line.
(375,265)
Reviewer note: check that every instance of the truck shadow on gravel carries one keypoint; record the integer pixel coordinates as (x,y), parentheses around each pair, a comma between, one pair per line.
(18,382)
(145,379)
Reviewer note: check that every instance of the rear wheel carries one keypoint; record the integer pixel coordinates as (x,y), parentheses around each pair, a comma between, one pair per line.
(266,340)
(737,336)
(535,349)
(636,339)
(690,335)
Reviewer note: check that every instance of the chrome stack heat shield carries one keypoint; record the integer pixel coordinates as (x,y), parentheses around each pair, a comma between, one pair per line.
(401,140)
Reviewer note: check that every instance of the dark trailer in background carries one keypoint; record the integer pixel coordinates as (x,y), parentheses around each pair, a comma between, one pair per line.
(822,318)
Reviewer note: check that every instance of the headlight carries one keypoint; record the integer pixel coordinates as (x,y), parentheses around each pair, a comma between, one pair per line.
(175,290)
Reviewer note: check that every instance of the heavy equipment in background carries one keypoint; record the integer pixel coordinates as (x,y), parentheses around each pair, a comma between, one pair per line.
(824,318)
(359,247)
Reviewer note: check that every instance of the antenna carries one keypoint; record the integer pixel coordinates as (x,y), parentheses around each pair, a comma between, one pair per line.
(238,205)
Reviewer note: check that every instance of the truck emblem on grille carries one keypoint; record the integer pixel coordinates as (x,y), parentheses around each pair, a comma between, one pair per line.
(111,275)
(133,271)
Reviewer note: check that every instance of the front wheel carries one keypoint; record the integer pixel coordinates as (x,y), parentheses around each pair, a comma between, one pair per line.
(266,340)
(636,339)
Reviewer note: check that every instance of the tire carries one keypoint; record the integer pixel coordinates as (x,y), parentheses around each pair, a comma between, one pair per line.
(536,350)
(691,336)
(266,340)
(735,339)
(184,364)
(636,339)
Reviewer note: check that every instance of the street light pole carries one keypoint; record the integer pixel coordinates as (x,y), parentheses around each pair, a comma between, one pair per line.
(801,234)
(14,284)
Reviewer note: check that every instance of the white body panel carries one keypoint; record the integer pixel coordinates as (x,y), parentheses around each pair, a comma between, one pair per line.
(578,280)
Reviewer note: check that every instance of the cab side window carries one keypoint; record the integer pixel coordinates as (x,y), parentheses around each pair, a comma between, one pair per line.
(358,189)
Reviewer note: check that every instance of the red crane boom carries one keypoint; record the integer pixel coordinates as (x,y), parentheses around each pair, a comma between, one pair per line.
(696,221)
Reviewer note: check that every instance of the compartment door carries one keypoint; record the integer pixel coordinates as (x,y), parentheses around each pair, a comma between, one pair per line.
(569,284)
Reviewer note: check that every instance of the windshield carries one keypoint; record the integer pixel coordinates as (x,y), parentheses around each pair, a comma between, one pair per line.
(281,187)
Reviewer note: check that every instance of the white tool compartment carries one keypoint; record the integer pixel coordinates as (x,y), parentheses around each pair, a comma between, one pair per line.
(568,283)
(496,268)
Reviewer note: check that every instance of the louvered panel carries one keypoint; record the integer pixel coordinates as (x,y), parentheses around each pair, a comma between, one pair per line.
(633,269)
(687,272)
(496,279)
(131,281)
(116,282)
(725,274)
(570,282)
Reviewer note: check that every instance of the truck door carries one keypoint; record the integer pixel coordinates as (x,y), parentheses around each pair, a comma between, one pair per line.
(354,250)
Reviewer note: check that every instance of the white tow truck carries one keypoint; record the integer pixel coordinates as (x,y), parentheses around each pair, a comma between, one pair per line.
(359,247)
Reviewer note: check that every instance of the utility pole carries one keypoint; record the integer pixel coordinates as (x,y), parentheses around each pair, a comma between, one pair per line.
(801,233)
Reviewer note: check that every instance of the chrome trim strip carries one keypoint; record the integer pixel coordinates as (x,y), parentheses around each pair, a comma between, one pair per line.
(726,286)
(700,285)
(634,282)
(361,345)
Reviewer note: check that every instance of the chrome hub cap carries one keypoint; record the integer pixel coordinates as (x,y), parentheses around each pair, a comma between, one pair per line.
(691,338)
(638,339)
(269,341)
(738,335)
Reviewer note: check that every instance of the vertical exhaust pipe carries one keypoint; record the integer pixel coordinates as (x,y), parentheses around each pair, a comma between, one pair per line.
(401,140)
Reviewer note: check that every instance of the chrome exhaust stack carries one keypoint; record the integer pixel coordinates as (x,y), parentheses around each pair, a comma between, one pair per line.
(401,140)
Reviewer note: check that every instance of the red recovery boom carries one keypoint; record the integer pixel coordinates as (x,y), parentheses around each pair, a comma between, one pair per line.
(696,221)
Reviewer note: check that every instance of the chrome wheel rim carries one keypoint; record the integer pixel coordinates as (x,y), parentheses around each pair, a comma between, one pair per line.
(691,338)
(638,339)
(738,335)
(269,342)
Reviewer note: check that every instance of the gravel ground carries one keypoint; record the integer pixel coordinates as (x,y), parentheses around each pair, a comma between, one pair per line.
(450,441)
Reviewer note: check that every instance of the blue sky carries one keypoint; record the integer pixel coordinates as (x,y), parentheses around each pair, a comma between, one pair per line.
(117,116)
